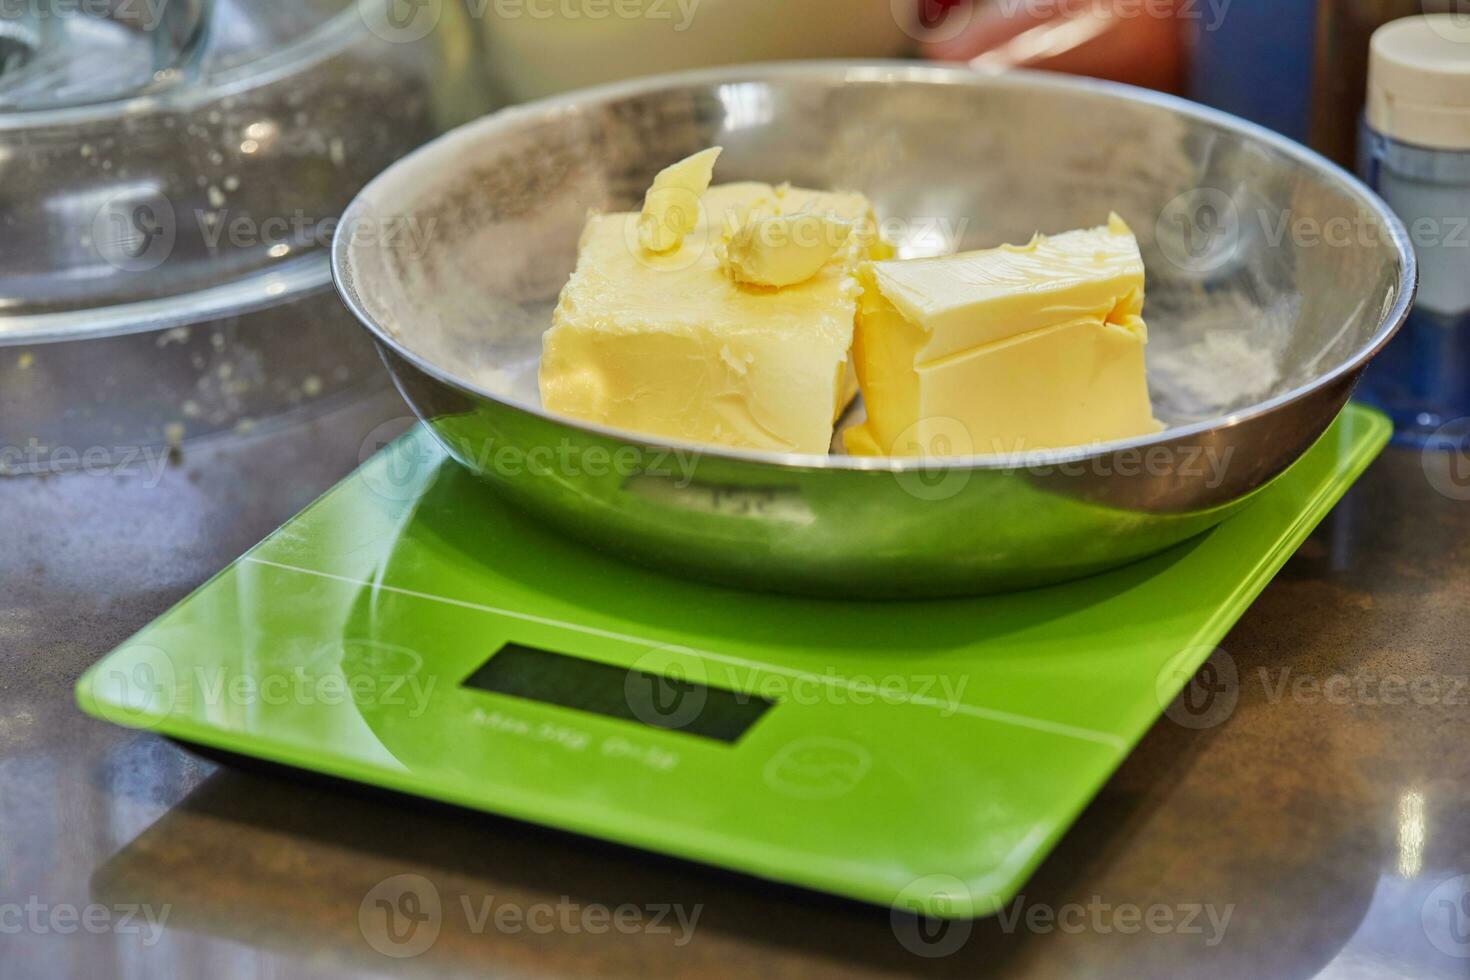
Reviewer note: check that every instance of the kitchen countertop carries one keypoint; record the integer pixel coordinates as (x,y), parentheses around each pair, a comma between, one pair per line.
(1320,829)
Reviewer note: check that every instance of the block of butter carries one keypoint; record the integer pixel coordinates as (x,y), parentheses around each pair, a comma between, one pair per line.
(675,343)
(1038,346)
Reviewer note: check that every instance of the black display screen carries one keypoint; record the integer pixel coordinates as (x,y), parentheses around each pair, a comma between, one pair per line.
(656,700)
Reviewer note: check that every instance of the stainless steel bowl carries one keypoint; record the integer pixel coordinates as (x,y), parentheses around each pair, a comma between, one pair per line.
(1273,278)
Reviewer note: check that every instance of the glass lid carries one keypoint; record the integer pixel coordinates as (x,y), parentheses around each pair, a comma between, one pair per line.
(168,157)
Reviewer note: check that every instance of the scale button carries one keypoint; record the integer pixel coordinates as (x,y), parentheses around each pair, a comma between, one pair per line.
(818,767)
(375,659)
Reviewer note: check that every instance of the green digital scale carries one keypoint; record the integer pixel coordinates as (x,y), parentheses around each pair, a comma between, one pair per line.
(411,631)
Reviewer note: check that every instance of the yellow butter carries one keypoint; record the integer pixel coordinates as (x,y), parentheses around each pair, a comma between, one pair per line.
(1007,350)
(783,250)
(671,206)
(668,344)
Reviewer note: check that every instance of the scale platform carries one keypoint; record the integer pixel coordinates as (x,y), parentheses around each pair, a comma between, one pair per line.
(410,631)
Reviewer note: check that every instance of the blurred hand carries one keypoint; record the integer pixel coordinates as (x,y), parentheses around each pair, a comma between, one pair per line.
(1135,41)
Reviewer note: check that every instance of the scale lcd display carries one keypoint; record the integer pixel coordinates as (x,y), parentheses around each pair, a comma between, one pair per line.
(654,700)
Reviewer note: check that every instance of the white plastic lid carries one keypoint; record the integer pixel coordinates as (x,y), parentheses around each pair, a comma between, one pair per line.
(1419,81)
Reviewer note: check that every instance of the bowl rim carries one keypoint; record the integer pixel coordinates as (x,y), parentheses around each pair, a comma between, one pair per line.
(880,70)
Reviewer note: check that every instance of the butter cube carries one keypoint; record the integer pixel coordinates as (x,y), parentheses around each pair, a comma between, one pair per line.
(1012,349)
(669,344)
